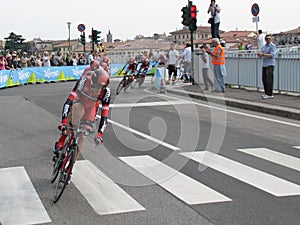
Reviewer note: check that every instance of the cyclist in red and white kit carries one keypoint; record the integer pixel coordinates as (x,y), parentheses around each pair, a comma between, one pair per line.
(130,70)
(82,104)
(143,69)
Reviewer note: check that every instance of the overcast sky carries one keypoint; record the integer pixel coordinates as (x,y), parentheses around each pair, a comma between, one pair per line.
(126,19)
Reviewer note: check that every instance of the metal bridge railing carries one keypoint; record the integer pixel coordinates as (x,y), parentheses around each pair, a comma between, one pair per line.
(245,69)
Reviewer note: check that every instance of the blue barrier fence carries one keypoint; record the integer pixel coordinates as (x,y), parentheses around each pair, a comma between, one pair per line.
(9,78)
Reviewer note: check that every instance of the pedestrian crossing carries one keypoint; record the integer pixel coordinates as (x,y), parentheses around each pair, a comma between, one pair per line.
(273,156)
(106,197)
(19,201)
(185,188)
(97,186)
(259,179)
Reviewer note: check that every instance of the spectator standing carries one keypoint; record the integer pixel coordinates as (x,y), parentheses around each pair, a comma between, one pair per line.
(24,60)
(59,58)
(38,60)
(173,57)
(81,60)
(68,59)
(9,62)
(2,62)
(53,61)
(241,46)
(248,47)
(90,57)
(16,60)
(102,49)
(187,62)
(260,40)
(46,59)
(31,62)
(214,10)
(268,53)
(205,67)
(218,61)
(74,59)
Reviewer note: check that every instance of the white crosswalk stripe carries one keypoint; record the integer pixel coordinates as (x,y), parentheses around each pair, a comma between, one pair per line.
(18,195)
(105,196)
(180,185)
(273,156)
(264,181)
(19,201)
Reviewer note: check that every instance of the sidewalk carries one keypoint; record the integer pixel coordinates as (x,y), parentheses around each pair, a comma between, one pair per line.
(286,105)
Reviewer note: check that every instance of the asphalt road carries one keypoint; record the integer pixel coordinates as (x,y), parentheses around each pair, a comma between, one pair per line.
(166,159)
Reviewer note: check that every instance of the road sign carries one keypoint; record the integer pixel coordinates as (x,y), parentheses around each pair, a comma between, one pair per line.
(255,19)
(81,27)
(255,9)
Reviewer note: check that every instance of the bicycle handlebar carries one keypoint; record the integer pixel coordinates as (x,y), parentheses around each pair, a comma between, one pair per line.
(79,131)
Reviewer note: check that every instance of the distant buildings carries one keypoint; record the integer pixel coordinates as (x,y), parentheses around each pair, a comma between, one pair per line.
(120,51)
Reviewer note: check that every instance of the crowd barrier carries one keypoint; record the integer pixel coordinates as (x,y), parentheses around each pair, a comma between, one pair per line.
(9,78)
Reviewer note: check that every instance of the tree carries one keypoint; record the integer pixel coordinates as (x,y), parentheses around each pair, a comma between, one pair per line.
(14,42)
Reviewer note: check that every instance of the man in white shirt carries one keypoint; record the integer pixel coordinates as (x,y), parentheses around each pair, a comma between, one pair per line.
(90,57)
(187,62)
(260,40)
(173,57)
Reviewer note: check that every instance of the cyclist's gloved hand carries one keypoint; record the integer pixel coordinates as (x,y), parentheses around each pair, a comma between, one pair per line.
(98,139)
(63,125)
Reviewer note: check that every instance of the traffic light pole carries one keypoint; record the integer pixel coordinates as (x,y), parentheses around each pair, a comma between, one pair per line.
(193,58)
(93,47)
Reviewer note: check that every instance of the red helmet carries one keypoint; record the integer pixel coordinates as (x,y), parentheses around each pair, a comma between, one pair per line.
(94,65)
(99,78)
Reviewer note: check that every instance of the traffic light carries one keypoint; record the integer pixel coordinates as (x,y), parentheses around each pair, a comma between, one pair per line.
(186,16)
(82,38)
(193,17)
(95,36)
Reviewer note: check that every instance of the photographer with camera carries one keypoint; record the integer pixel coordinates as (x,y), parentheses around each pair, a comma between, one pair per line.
(214,10)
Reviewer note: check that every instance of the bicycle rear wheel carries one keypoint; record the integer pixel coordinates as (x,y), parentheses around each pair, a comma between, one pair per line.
(120,86)
(64,174)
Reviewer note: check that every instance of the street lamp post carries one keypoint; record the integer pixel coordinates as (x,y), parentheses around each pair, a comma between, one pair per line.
(69,25)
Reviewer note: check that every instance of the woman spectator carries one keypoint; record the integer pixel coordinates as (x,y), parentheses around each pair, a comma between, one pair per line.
(38,61)
(3,62)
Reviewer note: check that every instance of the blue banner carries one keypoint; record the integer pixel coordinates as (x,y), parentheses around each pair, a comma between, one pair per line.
(9,78)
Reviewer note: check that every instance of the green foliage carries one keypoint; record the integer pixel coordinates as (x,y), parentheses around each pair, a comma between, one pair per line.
(15,42)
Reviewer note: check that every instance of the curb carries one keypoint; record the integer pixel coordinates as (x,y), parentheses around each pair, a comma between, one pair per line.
(242,104)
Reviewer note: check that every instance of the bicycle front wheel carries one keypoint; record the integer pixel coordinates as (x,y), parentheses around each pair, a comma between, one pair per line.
(134,82)
(59,161)
(64,174)
(120,86)
(55,169)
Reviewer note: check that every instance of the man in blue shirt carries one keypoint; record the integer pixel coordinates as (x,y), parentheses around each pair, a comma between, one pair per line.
(268,52)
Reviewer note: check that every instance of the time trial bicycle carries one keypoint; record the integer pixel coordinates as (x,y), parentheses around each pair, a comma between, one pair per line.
(65,160)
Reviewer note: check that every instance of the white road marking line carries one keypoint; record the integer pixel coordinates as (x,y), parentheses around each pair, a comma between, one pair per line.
(147,104)
(145,136)
(241,113)
(264,181)
(180,185)
(19,201)
(276,157)
(297,147)
(105,196)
